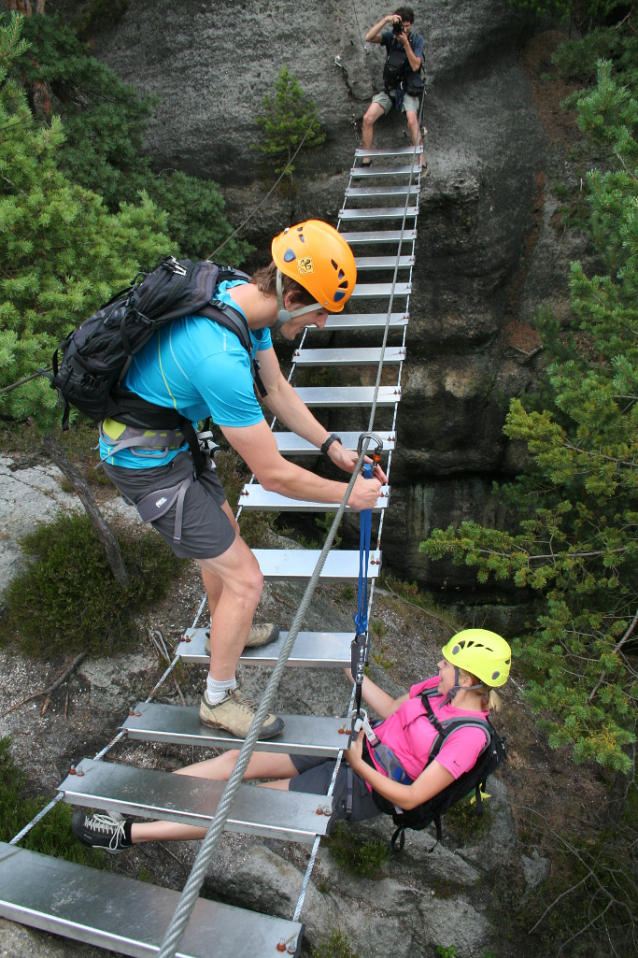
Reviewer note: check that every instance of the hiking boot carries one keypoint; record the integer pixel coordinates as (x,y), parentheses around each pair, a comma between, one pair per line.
(236,715)
(102,830)
(259,635)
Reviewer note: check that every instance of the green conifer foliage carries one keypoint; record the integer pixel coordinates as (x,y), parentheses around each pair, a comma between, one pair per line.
(288,115)
(578,541)
(585,12)
(62,252)
(104,125)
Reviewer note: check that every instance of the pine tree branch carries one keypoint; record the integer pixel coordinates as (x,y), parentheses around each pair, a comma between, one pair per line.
(617,648)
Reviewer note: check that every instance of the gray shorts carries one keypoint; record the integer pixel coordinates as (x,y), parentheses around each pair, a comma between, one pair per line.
(386,100)
(206,529)
(314,776)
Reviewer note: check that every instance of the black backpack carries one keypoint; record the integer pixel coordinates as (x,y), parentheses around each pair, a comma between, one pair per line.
(394,66)
(95,357)
(397,71)
(474,780)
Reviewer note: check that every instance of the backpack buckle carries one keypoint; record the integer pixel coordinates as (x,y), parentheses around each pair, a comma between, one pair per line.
(174,266)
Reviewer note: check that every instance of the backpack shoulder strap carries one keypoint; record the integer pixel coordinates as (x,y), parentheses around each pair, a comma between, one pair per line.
(446,728)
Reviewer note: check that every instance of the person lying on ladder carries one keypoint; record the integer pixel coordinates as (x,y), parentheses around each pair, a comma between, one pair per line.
(194,365)
(404,767)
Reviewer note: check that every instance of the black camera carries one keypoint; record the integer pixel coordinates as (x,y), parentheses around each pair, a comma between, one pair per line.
(397,27)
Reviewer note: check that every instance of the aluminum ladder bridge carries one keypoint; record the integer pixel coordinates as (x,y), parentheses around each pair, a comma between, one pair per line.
(131,917)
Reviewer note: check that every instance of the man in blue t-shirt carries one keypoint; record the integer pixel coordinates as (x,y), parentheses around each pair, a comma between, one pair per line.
(201,369)
(404,55)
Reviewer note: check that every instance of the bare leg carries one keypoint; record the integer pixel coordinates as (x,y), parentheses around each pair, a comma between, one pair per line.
(372,114)
(234,583)
(261,765)
(413,126)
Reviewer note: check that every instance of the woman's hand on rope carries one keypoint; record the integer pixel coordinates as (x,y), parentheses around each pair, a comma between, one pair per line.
(346,459)
(365,493)
(354,754)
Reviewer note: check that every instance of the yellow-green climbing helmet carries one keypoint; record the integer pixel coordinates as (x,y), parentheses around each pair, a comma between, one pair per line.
(482,653)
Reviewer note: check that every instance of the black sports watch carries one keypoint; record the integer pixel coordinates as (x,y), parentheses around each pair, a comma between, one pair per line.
(329,441)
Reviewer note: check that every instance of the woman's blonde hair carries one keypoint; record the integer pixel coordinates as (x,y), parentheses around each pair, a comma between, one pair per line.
(490,699)
(265,280)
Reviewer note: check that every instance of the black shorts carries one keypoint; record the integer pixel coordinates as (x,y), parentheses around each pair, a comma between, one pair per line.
(206,529)
(314,776)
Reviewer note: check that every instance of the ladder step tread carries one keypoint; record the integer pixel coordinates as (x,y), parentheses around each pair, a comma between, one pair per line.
(355,191)
(379,236)
(126,916)
(367,290)
(383,262)
(311,649)
(289,444)
(254,497)
(340,565)
(347,395)
(389,151)
(193,801)
(365,320)
(398,170)
(348,357)
(179,725)
(378,213)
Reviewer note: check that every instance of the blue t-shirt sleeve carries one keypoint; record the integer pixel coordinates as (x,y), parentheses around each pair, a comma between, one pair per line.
(386,39)
(417,45)
(262,339)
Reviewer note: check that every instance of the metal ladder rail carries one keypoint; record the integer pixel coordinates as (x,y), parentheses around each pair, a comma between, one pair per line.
(295,935)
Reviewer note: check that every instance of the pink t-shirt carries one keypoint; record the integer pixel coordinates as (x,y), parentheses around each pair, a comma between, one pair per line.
(410,735)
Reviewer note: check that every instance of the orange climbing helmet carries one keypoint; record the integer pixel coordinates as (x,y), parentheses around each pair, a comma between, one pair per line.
(317,257)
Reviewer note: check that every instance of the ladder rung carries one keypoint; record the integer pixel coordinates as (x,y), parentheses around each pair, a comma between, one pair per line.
(365,320)
(389,151)
(338,396)
(356,191)
(340,565)
(302,735)
(379,236)
(290,816)
(321,649)
(383,262)
(366,171)
(348,357)
(125,916)
(374,290)
(289,444)
(254,498)
(379,213)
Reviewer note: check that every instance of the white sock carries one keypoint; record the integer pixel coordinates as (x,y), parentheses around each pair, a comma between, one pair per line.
(216,691)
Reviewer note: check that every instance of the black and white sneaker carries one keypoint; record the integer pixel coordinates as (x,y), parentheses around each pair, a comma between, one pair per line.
(108,831)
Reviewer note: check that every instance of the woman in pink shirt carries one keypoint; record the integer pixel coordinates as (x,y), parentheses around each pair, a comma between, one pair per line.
(397,766)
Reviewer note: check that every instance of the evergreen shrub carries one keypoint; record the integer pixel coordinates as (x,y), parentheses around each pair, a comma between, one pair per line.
(66,599)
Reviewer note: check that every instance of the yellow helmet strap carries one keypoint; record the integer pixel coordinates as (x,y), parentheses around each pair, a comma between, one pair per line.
(285,315)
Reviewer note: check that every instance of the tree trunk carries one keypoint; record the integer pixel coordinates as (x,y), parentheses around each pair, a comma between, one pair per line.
(26,7)
(81,486)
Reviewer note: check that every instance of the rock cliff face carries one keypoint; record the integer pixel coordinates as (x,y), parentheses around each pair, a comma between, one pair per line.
(485,208)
